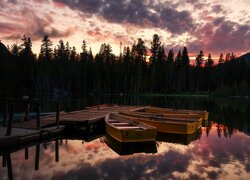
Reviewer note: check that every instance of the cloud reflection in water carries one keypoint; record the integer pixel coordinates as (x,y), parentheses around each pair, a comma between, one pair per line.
(210,156)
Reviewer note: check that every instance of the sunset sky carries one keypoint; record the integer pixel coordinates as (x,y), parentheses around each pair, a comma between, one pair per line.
(211,25)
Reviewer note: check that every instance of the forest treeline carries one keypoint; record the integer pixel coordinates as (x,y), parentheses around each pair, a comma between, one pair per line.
(62,69)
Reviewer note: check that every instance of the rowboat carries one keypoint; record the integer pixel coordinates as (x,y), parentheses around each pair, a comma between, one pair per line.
(199,113)
(161,117)
(171,117)
(164,124)
(125,129)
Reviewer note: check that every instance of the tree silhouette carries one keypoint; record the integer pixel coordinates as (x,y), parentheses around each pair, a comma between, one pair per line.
(62,70)
(221,59)
(210,61)
(199,59)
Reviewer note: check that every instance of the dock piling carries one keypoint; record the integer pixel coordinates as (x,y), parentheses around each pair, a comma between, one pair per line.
(4,161)
(11,115)
(26,153)
(27,110)
(9,166)
(57,150)
(37,157)
(5,114)
(38,110)
(57,114)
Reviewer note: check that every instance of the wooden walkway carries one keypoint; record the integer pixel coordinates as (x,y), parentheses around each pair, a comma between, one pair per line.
(87,116)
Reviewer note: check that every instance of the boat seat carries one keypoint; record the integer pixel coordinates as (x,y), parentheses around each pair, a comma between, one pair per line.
(120,123)
(113,121)
(129,127)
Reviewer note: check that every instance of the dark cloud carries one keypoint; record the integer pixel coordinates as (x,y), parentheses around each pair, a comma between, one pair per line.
(7,27)
(222,36)
(148,14)
(33,26)
(192,1)
(218,20)
(218,9)
(130,168)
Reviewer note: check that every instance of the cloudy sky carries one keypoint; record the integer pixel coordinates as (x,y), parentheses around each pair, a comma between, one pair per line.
(211,25)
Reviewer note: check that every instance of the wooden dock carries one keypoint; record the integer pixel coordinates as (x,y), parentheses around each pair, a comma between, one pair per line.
(83,121)
(21,136)
(88,116)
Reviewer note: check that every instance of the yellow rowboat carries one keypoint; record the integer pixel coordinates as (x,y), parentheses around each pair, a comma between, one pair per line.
(199,113)
(165,117)
(154,117)
(125,129)
(166,126)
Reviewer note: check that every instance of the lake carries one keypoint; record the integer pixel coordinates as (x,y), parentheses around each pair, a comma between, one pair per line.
(218,151)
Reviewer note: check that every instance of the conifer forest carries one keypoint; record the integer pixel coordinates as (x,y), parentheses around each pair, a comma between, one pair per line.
(59,68)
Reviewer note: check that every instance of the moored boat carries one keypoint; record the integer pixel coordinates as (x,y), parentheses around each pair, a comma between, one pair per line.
(125,129)
(165,125)
(165,117)
(200,113)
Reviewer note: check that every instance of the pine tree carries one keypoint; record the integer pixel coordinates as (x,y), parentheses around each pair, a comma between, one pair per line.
(15,49)
(84,46)
(155,48)
(228,57)
(46,53)
(178,60)
(199,59)
(210,61)
(73,54)
(221,59)
(185,58)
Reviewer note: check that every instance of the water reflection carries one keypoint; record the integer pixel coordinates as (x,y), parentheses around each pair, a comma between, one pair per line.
(218,151)
(129,148)
(213,156)
(184,139)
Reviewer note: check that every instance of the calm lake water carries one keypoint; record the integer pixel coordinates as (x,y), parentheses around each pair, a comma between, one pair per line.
(219,151)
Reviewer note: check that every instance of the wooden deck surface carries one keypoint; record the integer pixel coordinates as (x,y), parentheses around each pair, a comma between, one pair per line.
(81,116)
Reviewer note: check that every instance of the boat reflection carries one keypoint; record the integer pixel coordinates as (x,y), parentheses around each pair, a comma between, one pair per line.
(184,139)
(130,148)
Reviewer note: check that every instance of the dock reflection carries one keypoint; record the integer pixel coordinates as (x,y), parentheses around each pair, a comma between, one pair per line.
(130,148)
(6,157)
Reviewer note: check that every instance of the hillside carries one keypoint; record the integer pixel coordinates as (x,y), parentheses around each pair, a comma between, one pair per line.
(4,52)
(245,57)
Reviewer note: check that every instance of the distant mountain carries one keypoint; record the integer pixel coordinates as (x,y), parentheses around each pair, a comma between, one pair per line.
(245,57)
(4,52)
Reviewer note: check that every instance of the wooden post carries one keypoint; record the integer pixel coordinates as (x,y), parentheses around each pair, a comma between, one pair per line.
(5,114)
(27,111)
(57,150)
(4,161)
(26,153)
(57,114)
(37,157)
(38,116)
(9,166)
(11,115)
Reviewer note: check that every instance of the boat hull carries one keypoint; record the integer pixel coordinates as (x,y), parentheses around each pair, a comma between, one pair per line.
(165,117)
(130,135)
(169,126)
(203,114)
